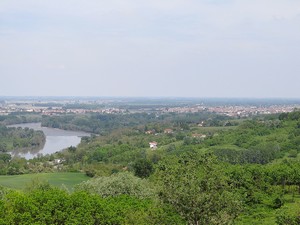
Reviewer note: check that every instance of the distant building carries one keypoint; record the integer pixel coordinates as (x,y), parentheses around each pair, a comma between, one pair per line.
(150,132)
(201,124)
(168,131)
(153,145)
(200,136)
(58,161)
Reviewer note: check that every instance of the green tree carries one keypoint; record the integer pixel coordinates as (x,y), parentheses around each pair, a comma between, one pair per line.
(281,173)
(143,168)
(5,157)
(198,189)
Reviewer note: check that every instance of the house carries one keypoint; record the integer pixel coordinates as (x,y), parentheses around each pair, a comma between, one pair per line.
(153,145)
(150,132)
(200,136)
(201,124)
(58,161)
(168,131)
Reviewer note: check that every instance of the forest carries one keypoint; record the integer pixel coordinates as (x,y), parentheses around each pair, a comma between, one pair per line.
(226,171)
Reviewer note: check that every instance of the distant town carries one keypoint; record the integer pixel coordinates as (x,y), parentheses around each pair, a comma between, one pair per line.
(57,106)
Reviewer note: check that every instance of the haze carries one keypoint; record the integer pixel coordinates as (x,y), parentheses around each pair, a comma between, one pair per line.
(182,48)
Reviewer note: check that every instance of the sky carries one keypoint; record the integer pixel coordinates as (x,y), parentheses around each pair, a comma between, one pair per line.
(157,48)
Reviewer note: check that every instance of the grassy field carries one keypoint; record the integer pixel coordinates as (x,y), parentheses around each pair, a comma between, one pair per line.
(55,179)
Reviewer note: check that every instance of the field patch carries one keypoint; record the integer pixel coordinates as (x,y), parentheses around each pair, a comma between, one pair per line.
(56,179)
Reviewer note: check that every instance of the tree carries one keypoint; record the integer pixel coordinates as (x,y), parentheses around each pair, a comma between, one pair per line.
(143,168)
(3,147)
(198,189)
(280,173)
(5,157)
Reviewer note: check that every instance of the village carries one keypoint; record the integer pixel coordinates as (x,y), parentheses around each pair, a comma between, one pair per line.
(234,110)
(57,107)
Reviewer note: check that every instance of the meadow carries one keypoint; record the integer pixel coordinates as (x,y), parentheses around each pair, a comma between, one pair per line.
(20,182)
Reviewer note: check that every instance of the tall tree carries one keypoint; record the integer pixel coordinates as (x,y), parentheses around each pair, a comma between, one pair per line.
(196,186)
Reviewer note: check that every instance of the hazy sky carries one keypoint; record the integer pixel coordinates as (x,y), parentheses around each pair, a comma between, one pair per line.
(183,48)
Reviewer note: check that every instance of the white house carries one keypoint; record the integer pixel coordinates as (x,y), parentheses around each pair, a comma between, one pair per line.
(153,145)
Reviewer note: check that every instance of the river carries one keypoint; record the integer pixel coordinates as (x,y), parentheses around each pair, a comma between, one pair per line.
(56,140)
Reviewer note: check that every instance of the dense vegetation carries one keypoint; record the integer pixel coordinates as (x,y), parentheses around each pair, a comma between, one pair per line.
(215,173)
(103,123)
(16,118)
(48,205)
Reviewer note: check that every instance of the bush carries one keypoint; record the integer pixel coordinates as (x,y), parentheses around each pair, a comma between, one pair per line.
(123,183)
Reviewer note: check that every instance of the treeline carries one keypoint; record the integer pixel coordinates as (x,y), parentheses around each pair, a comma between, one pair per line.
(16,118)
(103,123)
(96,123)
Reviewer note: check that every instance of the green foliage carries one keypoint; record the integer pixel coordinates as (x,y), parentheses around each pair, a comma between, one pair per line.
(259,154)
(257,141)
(293,153)
(97,123)
(55,206)
(143,168)
(286,216)
(252,182)
(5,157)
(102,123)
(17,118)
(198,189)
(295,115)
(101,169)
